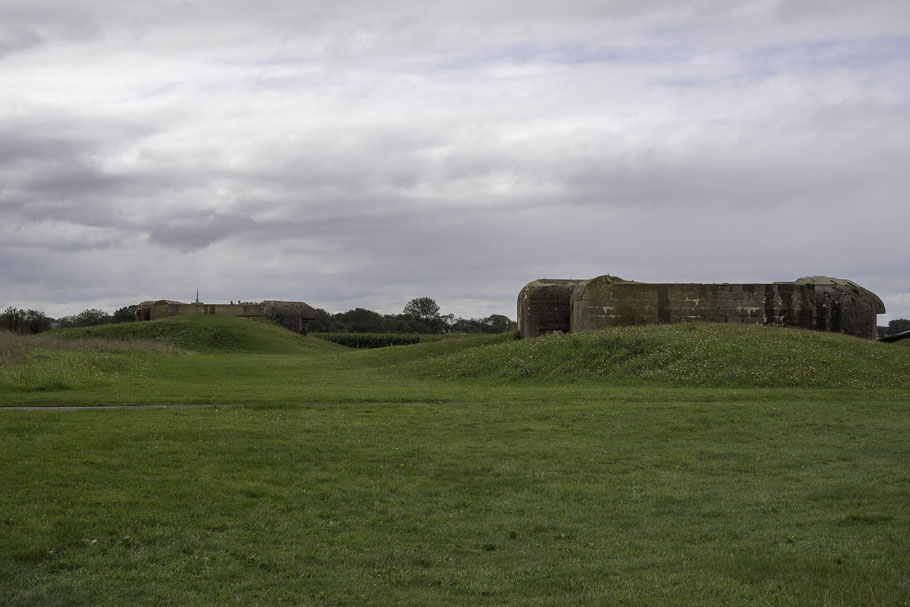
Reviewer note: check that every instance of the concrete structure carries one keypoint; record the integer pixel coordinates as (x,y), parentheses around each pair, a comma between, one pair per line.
(544,306)
(818,302)
(295,315)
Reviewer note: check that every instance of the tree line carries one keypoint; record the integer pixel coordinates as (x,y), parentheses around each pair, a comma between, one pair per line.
(420,315)
(35,321)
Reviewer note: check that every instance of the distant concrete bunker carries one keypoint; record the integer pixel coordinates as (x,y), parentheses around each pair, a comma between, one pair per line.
(294,315)
(817,302)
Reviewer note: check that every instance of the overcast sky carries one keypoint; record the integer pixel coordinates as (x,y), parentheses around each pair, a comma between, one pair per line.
(360,153)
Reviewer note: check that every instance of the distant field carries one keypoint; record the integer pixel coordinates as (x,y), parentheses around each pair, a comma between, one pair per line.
(685,465)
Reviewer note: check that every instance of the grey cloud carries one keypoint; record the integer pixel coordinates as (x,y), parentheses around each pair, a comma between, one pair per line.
(459,165)
(194,231)
(21,146)
(351,28)
(16,41)
(851,53)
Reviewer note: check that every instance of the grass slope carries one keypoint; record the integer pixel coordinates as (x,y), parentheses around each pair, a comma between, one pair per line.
(709,355)
(208,333)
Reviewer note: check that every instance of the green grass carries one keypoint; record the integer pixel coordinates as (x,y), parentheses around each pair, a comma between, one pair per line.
(711,355)
(684,465)
(551,504)
(210,359)
(206,334)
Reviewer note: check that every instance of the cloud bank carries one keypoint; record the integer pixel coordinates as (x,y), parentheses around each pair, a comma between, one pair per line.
(362,154)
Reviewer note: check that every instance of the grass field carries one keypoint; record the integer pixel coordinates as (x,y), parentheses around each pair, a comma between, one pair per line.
(680,465)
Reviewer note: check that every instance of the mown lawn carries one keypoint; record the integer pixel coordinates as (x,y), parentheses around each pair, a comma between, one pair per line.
(559,489)
(536,503)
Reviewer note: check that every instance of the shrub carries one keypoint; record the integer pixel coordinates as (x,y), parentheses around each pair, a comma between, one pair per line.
(370,340)
(24,321)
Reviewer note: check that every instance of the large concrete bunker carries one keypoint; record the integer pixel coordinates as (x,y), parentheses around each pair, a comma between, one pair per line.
(818,302)
(294,315)
(544,306)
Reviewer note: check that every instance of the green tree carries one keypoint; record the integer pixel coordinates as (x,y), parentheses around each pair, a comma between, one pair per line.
(361,320)
(86,318)
(495,323)
(24,321)
(13,319)
(499,323)
(898,325)
(423,308)
(36,321)
(125,314)
(324,322)
(422,316)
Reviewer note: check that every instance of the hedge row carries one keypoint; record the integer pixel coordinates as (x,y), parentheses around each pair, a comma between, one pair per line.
(369,340)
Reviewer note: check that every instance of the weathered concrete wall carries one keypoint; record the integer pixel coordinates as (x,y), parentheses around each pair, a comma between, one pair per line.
(818,302)
(294,315)
(842,306)
(544,307)
(161,309)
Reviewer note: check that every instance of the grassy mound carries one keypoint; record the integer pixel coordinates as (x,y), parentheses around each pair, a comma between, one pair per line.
(208,333)
(709,355)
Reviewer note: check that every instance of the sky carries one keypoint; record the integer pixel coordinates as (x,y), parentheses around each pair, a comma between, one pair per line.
(363,153)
